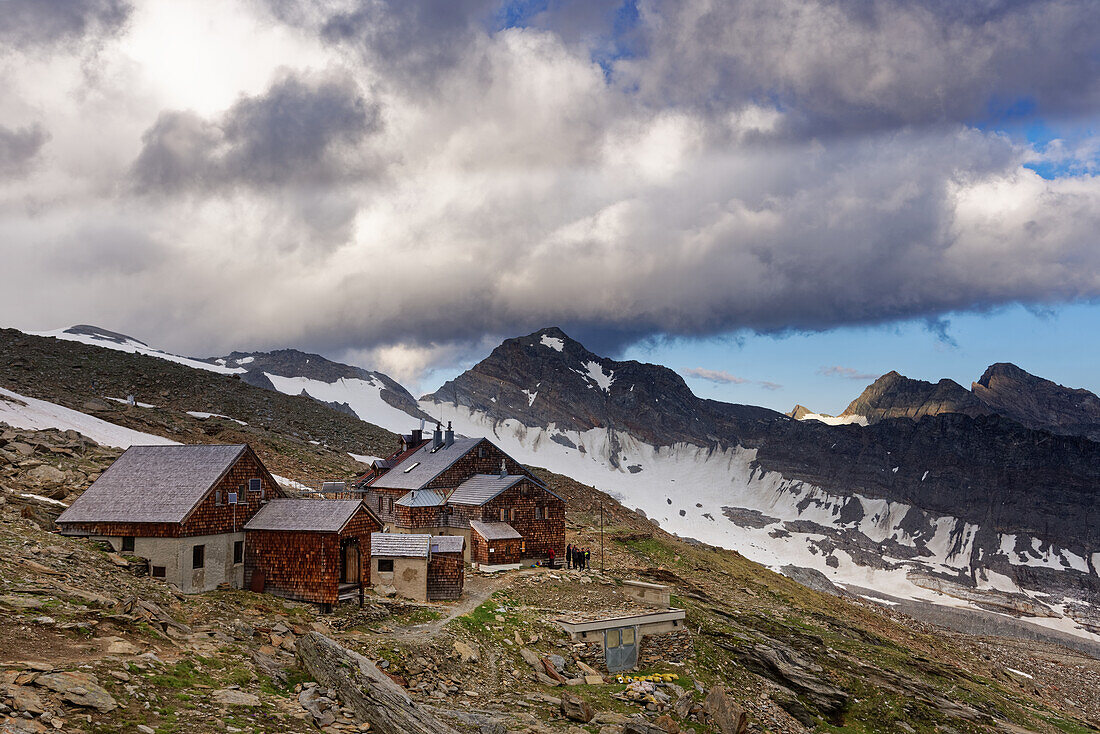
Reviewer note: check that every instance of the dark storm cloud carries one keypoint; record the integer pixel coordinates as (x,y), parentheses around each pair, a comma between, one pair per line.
(19,146)
(292,134)
(839,66)
(26,23)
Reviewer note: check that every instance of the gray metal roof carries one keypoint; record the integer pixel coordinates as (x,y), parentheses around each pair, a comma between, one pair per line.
(322,516)
(448,544)
(495,530)
(480,488)
(424,465)
(423,498)
(399,545)
(153,484)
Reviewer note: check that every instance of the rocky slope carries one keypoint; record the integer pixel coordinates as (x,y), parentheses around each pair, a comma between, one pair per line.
(1038,403)
(89,644)
(1004,389)
(977,500)
(896,396)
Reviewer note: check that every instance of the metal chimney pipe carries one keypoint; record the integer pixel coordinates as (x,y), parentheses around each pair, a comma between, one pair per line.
(449,435)
(437,436)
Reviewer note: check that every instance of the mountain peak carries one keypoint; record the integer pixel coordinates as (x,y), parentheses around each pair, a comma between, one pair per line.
(99,334)
(1037,402)
(895,396)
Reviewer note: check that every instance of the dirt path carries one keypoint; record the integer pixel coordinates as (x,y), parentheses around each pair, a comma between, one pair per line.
(475,591)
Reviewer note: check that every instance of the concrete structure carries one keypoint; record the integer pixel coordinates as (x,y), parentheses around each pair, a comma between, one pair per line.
(417,566)
(654,595)
(622,637)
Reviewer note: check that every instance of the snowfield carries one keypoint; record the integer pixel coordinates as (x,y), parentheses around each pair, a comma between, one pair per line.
(687,489)
(30,413)
(131,346)
(362,396)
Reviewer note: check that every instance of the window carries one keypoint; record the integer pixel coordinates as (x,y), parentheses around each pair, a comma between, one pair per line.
(628,636)
(503,514)
(412,466)
(255,485)
(538,513)
(385,565)
(238,551)
(481,452)
(612,639)
(158,572)
(391,504)
(379,504)
(512,514)
(198,556)
(128,544)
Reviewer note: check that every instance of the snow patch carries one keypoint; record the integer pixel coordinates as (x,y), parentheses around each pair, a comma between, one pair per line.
(124,401)
(363,459)
(553,342)
(835,420)
(594,372)
(40,498)
(364,397)
(34,414)
(134,347)
(530,397)
(203,416)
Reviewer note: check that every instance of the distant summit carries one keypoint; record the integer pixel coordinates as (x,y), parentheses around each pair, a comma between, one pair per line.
(896,396)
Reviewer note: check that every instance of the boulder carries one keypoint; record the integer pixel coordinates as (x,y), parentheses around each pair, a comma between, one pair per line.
(24,698)
(726,716)
(531,658)
(46,475)
(464,651)
(234,697)
(363,688)
(576,708)
(81,689)
(665,722)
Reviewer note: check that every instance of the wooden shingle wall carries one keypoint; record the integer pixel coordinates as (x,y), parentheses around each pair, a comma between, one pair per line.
(446,574)
(306,565)
(210,518)
(500,552)
(539,535)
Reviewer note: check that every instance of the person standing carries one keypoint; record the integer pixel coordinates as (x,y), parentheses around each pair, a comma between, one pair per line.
(587,558)
(569,556)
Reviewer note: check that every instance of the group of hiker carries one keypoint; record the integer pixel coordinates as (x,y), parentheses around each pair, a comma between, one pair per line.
(577,557)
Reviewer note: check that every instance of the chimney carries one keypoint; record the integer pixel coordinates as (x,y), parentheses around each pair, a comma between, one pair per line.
(417,435)
(503,469)
(449,436)
(437,436)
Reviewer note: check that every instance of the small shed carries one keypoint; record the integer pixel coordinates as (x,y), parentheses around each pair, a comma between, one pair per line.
(446,567)
(310,550)
(418,566)
(495,545)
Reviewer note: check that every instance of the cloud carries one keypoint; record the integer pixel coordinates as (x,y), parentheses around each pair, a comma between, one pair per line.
(44,22)
(300,131)
(846,66)
(721,377)
(416,177)
(18,148)
(848,373)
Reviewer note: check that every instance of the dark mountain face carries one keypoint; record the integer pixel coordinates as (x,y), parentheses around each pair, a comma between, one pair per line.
(1039,403)
(935,447)
(1004,390)
(547,378)
(896,396)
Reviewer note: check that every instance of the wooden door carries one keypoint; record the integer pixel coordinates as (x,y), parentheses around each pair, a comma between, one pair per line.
(349,561)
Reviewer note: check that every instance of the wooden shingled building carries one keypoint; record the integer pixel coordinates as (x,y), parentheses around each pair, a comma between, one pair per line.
(183,508)
(310,550)
(440,485)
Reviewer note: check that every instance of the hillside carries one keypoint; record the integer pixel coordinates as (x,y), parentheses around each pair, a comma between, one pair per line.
(794,659)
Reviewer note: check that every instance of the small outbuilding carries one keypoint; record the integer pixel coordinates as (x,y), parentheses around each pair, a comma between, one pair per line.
(495,546)
(310,550)
(417,566)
